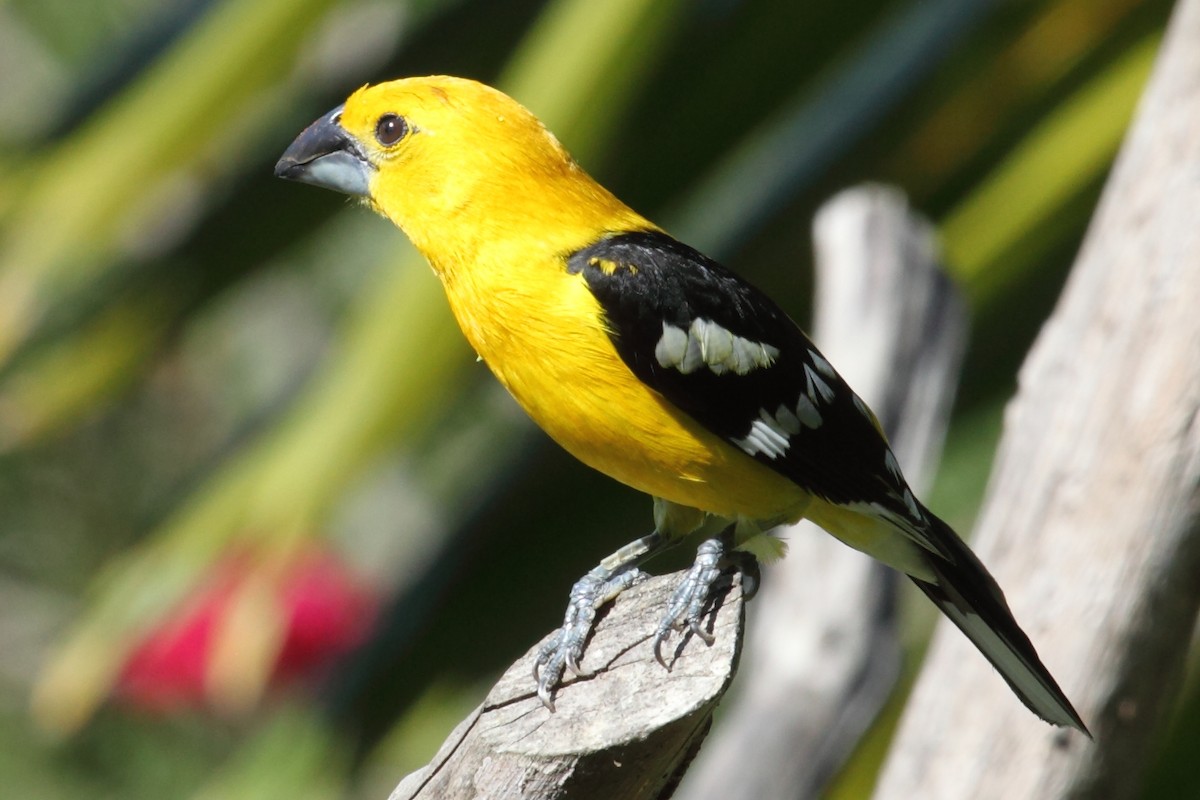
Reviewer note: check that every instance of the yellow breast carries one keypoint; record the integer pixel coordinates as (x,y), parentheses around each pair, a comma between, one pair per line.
(543,338)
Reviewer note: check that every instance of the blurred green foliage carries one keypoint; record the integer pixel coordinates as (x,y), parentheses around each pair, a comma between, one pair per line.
(197,358)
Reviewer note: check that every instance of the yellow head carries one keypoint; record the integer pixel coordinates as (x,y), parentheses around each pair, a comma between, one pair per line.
(457,165)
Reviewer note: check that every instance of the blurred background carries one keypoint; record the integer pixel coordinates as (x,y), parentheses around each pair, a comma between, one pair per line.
(266,528)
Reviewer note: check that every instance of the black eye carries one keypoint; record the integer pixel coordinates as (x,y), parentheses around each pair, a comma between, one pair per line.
(390,129)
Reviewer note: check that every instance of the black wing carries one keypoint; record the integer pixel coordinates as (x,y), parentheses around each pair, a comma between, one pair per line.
(760,383)
(654,289)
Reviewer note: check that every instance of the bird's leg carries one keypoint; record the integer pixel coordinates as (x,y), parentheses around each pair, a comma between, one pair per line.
(608,579)
(695,591)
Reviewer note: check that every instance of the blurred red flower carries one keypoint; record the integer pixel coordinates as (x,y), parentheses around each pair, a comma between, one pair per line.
(247,626)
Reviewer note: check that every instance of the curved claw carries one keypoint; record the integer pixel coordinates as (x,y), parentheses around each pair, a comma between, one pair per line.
(695,627)
(543,693)
(659,638)
(573,665)
(559,654)
(547,671)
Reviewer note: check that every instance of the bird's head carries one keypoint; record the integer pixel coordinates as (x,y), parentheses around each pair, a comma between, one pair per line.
(448,159)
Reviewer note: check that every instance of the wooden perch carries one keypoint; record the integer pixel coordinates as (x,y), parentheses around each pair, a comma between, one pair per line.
(822,653)
(1092,522)
(628,731)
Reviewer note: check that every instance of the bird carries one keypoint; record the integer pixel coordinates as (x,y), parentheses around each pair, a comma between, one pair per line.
(648,361)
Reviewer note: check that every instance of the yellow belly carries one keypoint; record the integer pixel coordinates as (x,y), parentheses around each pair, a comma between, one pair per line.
(560,365)
(630,433)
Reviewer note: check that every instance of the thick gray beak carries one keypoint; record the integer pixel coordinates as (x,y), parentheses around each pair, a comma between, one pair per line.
(325,155)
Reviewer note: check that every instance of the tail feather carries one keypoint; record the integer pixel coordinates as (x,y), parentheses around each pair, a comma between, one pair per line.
(967,593)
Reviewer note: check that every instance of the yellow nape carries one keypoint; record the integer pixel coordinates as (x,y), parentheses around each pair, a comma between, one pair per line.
(476,172)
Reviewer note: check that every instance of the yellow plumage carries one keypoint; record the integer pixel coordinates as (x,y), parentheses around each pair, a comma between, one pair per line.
(495,233)
(644,359)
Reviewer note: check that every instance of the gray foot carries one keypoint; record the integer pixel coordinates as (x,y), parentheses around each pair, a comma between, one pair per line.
(564,649)
(692,598)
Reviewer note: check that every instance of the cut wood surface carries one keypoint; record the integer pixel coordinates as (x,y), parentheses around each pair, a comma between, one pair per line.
(1091,521)
(627,731)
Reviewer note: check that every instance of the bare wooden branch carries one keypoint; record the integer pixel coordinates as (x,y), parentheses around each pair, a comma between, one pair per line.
(1093,517)
(822,653)
(627,731)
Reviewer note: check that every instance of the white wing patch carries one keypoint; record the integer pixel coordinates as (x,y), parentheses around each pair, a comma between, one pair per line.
(892,465)
(817,387)
(672,347)
(707,344)
(787,419)
(771,434)
(905,494)
(766,436)
(823,366)
(807,411)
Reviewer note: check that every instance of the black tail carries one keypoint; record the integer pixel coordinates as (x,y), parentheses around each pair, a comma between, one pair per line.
(967,593)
